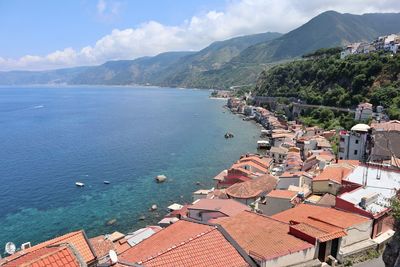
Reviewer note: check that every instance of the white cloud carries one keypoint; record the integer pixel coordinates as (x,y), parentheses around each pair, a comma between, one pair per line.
(238,18)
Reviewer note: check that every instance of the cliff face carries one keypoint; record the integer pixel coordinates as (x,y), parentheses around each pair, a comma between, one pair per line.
(391,255)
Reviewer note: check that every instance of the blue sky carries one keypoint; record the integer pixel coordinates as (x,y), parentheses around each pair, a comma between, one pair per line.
(44,34)
(41,27)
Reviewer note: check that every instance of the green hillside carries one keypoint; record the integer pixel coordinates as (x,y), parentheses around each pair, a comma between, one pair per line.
(331,81)
(328,29)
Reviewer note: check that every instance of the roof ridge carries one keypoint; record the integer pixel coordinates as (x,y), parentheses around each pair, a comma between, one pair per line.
(265,216)
(319,220)
(180,244)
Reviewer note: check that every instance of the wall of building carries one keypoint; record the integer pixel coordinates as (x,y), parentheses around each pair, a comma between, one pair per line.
(284,183)
(357,233)
(275,205)
(321,187)
(204,216)
(291,259)
(387,224)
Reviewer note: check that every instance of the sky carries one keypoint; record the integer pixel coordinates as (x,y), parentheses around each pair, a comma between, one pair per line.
(48,34)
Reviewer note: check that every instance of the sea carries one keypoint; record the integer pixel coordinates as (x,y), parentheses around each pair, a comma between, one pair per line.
(52,137)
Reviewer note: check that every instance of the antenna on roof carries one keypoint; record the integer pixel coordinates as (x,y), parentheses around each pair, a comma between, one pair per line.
(113,256)
(10,248)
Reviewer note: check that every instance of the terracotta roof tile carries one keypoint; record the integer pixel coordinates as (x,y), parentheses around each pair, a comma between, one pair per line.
(320,216)
(262,237)
(334,173)
(252,188)
(76,239)
(282,194)
(46,257)
(101,245)
(229,207)
(185,243)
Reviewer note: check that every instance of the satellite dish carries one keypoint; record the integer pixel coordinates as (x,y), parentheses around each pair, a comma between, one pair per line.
(113,256)
(10,248)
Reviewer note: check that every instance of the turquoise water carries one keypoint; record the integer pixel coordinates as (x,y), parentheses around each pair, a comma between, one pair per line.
(53,137)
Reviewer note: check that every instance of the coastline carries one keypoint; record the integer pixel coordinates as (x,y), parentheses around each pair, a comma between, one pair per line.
(191,159)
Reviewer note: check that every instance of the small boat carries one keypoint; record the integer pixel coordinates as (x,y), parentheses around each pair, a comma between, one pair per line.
(106,182)
(79,184)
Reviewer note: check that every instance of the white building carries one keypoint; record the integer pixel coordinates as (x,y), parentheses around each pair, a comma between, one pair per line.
(353,143)
(363,112)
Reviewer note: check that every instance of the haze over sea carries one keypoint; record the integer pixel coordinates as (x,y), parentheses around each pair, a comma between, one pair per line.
(52,137)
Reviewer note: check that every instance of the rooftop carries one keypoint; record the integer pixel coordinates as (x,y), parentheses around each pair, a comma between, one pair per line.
(252,188)
(76,239)
(380,186)
(262,237)
(229,207)
(185,243)
(393,125)
(334,173)
(320,216)
(360,127)
(282,194)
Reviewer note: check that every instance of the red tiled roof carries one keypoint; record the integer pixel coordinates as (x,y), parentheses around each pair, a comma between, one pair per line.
(320,216)
(185,243)
(317,233)
(76,239)
(282,194)
(252,188)
(334,173)
(262,237)
(101,245)
(243,165)
(263,161)
(46,257)
(393,125)
(229,207)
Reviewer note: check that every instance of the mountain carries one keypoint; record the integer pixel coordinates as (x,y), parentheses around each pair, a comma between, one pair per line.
(121,72)
(192,68)
(328,29)
(233,62)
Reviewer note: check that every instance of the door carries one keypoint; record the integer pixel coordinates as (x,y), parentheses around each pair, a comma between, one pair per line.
(321,251)
(335,247)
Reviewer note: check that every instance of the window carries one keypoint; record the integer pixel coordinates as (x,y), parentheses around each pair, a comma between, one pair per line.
(379,227)
(341,139)
(356,141)
(341,150)
(355,152)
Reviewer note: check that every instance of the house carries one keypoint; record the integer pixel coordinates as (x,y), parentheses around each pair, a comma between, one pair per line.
(376,186)
(250,191)
(72,249)
(363,112)
(333,232)
(277,201)
(386,136)
(278,153)
(297,178)
(293,161)
(326,200)
(201,193)
(330,179)
(187,243)
(267,240)
(260,161)
(207,209)
(233,176)
(353,144)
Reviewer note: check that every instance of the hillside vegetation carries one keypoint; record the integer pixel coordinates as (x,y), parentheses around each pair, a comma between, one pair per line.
(331,81)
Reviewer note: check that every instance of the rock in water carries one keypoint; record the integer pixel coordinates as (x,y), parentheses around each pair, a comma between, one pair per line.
(142,217)
(161,178)
(111,222)
(153,207)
